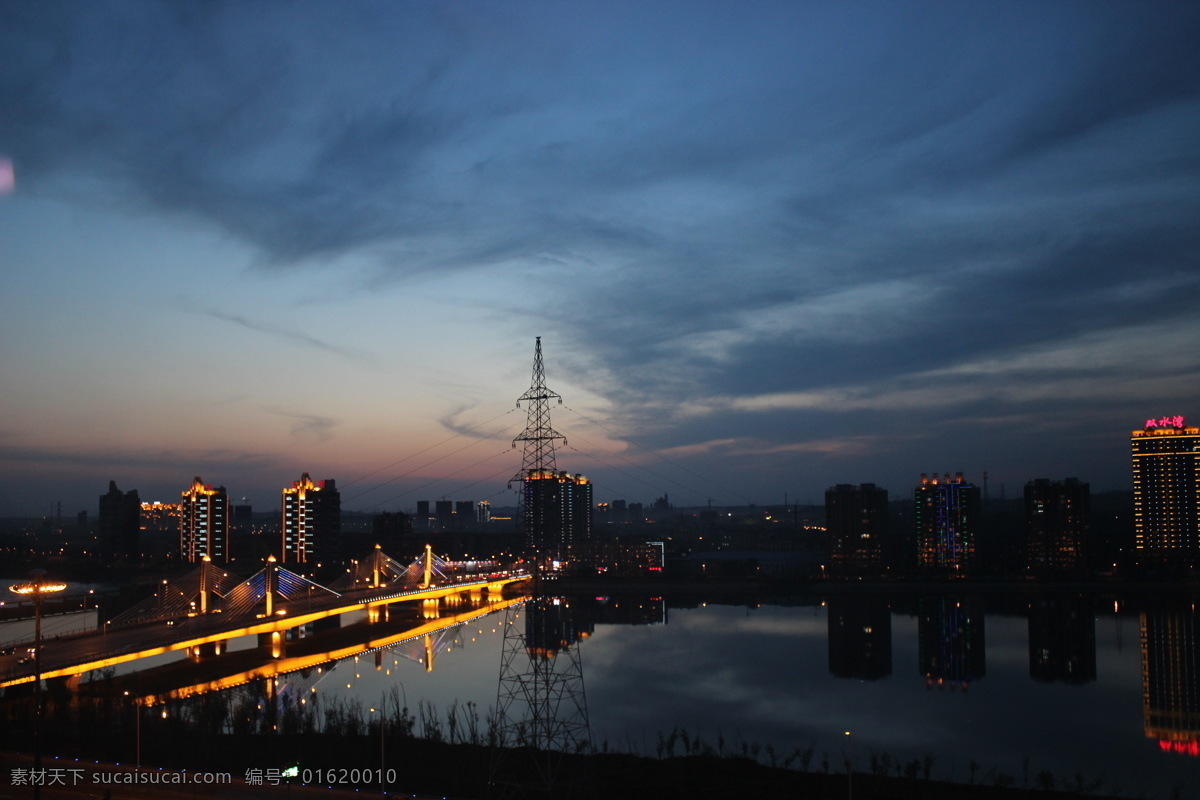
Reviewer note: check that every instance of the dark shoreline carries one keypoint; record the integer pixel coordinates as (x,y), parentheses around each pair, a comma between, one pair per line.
(463,771)
(745,586)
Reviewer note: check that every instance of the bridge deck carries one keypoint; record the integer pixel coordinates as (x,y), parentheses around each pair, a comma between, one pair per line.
(97,650)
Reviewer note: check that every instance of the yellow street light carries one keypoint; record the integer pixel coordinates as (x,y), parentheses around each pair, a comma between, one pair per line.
(37,586)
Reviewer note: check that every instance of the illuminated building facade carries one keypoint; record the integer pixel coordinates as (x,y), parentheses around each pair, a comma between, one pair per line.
(947,515)
(1056,524)
(160,517)
(120,523)
(856,520)
(628,555)
(1170,640)
(312,518)
(558,515)
(204,523)
(1166,492)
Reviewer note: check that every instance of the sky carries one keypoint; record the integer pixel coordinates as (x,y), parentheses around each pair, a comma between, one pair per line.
(768,247)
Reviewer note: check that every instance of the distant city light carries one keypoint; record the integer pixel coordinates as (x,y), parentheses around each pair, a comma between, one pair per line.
(30,588)
(8,180)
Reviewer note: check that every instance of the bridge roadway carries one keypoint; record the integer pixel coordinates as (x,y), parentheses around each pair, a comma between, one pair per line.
(185,678)
(75,655)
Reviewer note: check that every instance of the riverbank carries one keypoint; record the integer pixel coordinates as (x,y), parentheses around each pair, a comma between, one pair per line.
(464,772)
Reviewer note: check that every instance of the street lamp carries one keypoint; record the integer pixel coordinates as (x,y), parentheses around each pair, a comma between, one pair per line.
(382,751)
(37,585)
(849,767)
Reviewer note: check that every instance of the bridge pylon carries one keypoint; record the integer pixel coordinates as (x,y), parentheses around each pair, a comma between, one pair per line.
(427,572)
(270,586)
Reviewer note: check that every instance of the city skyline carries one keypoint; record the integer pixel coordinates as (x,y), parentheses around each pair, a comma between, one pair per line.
(768,252)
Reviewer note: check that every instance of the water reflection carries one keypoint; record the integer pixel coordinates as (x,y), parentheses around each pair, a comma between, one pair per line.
(860,637)
(951,641)
(1062,640)
(283,657)
(1171,677)
(1063,689)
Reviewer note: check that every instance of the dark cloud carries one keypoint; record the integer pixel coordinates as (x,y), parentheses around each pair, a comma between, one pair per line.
(712,206)
(310,427)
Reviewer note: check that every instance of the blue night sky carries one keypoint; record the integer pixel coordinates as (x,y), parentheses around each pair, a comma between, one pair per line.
(769,247)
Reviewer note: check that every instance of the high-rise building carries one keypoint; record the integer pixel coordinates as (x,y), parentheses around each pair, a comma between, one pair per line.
(1166,492)
(243,518)
(464,513)
(558,509)
(856,522)
(581,502)
(120,523)
(444,510)
(1057,515)
(204,523)
(312,519)
(948,516)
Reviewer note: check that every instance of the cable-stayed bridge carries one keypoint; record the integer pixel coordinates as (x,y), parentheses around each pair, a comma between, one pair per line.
(200,612)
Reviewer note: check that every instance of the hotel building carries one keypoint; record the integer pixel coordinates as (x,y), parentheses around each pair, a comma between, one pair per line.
(1166,492)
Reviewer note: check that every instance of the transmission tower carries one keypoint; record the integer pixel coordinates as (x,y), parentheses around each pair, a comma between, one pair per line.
(538,469)
(541,708)
(539,437)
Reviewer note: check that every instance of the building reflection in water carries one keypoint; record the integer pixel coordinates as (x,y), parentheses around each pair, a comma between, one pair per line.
(1171,677)
(624,611)
(950,641)
(1062,640)
(553,624)
(557,623)
(860,637)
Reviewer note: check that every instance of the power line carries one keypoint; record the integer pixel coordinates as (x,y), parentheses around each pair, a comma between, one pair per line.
(426,450)
(626,474)
(661,457)
(427,463)
(442,478)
